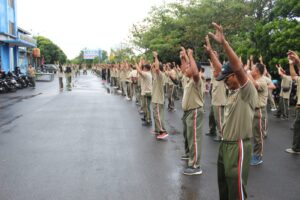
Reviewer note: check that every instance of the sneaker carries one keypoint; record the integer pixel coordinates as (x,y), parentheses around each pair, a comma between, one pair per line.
(184,157)
(256,160)
(290,150)
(217,139)
(147,124)
(128,99)
(162,136)
(192,171)
(273,109)
(143,119)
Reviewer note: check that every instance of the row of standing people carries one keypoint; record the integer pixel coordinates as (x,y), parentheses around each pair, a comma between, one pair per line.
(239,114)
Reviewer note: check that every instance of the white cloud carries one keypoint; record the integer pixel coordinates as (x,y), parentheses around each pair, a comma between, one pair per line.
(74,25)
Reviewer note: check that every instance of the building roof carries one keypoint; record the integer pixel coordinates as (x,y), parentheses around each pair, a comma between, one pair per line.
(23,31)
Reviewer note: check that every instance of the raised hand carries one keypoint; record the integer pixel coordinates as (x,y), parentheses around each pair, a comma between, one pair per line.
(190,52)
(207,46)
(155,54)
(292,55)
(218,36)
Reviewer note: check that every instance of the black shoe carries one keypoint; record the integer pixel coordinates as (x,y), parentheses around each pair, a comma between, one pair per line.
(210,134)
(147,123)
(143,119)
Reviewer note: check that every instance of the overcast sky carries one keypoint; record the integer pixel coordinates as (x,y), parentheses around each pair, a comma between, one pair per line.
(74,25)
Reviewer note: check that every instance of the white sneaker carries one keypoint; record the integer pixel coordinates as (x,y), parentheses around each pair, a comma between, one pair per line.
(290,150)
(273,109)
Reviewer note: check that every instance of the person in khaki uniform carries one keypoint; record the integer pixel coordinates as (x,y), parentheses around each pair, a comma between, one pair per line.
(285,91)
(295,60)
(270,100)
(271,87)
(128,68)
(133,79)
(235,148)
(192,105)
(31,75)
(260,83)
(218,100)
(158,99)
(146,87)
(171,76)
(123,76)
(68,74)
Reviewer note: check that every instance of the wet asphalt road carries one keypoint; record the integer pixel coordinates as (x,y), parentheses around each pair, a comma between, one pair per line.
(88,144)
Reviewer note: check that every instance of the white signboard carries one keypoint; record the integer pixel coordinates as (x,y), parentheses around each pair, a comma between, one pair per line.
(90,54)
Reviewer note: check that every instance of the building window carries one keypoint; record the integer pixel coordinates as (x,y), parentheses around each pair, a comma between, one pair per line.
(11,28)
(11,3)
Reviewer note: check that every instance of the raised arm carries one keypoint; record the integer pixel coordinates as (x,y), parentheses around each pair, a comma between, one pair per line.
(213,57)
(156,62)
(184,60)
(293,60)
(235,63)
(193,66)
(139,67)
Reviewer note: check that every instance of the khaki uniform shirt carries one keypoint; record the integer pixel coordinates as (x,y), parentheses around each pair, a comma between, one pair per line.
(112,73)
(158,88)
(146,82)
(185,80)
(31,72)
(269,81)
(286,82)
(239,113)
(262,92)
(128,78)
(123,75)
(117,73)
(218,93)
(169,79)
(165,78)
(192,95)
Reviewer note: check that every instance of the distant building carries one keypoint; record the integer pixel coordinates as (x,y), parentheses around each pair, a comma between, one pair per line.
(15,43)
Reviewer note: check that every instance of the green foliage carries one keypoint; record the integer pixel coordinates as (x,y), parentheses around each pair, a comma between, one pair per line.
(51,52)
(257,27)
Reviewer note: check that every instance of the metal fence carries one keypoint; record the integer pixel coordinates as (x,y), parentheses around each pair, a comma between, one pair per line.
(47,77)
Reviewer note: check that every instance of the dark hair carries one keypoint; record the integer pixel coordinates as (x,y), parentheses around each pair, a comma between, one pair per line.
(172,66)
(147,66)
(261,68)
(199,67)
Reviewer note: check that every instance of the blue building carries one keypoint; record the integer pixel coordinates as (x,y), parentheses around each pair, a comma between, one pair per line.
(14,41)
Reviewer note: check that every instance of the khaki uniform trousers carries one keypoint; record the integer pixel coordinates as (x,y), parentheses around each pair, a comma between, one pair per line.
(259,129)
(233,168)
(159,118)
(192,132)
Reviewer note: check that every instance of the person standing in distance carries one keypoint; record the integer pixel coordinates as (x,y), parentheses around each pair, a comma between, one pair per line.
(192,106)
(295,60)
(158,99)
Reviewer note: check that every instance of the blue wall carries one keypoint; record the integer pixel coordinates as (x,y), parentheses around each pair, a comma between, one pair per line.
(3,16)
(5,57)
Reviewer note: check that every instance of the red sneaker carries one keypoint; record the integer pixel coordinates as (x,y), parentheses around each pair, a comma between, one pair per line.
(162,136)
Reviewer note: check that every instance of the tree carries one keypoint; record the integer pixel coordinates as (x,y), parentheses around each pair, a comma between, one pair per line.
(51,52)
